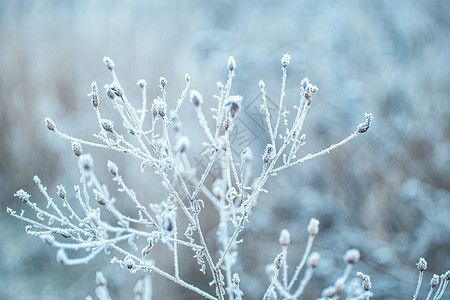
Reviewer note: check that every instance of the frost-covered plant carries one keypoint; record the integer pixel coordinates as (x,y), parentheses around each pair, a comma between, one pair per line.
(234,194)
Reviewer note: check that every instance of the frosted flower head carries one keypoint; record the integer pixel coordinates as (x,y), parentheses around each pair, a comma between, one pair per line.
(308,90)
(112,90)
(233,103)
(76,148)
(285,237)
(86,162)
(130,263)
(352,256)
(236,280)
(94,94)
(50,124)
(367,284)
(231,63)
(285,60)
(196,98)
(313,259)
(112,168)
(61,191)
(262,85)
(107,125)
(162,81)
(22,195)
(267,156)
(363,127)
(109,63)
(141,83)
(422,264)
(434,280)
(313,226)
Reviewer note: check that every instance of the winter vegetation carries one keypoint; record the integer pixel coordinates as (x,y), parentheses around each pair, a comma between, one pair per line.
(181,187)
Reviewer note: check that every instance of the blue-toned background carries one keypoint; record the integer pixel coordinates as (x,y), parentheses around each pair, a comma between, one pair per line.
(386,193)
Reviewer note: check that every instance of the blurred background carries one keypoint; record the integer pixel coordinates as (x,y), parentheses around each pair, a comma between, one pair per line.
(386,193)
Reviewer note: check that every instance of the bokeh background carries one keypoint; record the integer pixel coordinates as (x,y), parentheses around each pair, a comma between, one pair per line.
(386,193)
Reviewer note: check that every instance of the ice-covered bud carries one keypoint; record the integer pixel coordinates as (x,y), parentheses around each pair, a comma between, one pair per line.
(329,292)
(65,234)
(61,256)
(112,168)
(159,107)
(267,156)
(50,124)
(22,195)
(313,259)
(352,256)
(101,279)
(113,90)
(130,263)
(196,97)
(236,280)
(141,83)
(231,63)
(434,280)
(108,125)
(187,77)
(61,191)
(447,275)
(234,103)
(99,198)
(285,60)
(363,127)
(76,148)
(86,162)
(94,94)
(183,144)
(308,90)
(367,284)
(109,63)
(219,85)
(47,238)
(279,261)
(422,264)
(262,85)
(162,81)
(313,226)
(285,237)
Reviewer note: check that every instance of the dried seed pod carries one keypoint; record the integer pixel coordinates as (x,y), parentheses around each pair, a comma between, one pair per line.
(77,149)
(50,124)
(313,226)
(112,168)
(196,97)
(231,63)
(422,264)
(108,125)
(313,259)
(352,256)
(268,153)
(22,195)
(109,63)
(61,191)
(285,237)
(285,60)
